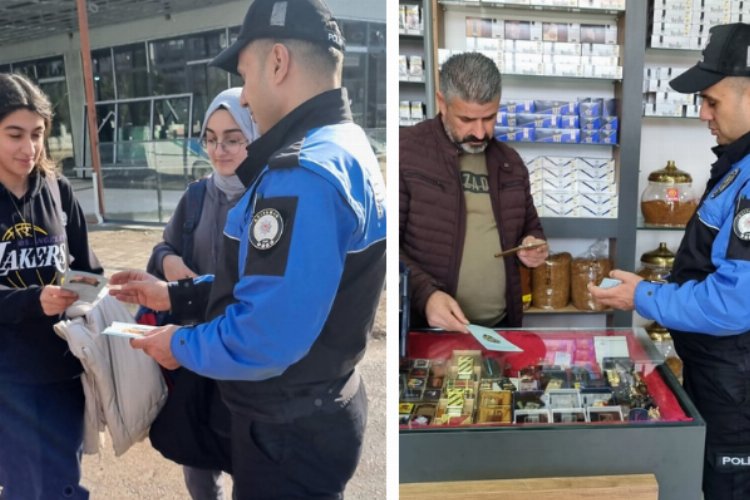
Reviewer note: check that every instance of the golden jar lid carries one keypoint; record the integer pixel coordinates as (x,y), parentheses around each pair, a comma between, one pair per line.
(670,175)
(661,257)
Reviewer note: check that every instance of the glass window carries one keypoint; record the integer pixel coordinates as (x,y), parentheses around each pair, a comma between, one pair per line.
(26,68)
(205,82)
(355,32)
(49,74)
(50,68)
(4,68)
(104,80)
(131,71)
(133,130)
(364,71)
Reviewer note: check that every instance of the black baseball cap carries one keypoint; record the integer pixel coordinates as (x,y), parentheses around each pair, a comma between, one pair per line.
(726,54)
(309,20)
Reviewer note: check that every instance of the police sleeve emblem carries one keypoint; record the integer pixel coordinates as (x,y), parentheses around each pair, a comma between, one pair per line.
(741,224)
(266,229)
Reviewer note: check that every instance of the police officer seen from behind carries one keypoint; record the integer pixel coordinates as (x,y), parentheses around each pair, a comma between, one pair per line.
(297,288)
(706,304)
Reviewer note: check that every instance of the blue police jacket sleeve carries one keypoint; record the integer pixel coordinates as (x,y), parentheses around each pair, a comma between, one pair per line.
(277,316)
(718,305)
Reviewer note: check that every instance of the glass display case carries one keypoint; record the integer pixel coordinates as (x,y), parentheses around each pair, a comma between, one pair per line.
(573,402)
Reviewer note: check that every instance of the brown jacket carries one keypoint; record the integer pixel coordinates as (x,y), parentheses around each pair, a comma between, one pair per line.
(432,213)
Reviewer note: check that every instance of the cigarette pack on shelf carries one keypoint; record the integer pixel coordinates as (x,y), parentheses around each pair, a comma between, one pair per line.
(522,30)
(510,134)
(598,205)
(552,184)
(404,112)
(558,3)
(569,70)
(483,44)
(518,106)
(569,121)
(561,32)
(561,59)
(416,68)
(598,49)
(403,67)
(553,107)
(585,186)
(607,136)
(559,167)
(595,169)
(561,135)
(537,120)
(560,203)
(561,48)
(413,19)
(417,111)
(483,27)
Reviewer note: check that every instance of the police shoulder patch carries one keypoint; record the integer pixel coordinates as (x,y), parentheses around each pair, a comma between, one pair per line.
(728,179)
(741,224)
(266,229)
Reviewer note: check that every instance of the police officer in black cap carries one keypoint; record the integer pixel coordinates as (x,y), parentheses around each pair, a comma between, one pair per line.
(706,304)
(296,292)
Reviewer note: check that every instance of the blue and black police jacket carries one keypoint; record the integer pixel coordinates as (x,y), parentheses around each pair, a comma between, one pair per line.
(295,295)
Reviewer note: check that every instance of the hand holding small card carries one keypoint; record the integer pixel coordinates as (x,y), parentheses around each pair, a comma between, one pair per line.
(86,285)
(491,340)
(129,330)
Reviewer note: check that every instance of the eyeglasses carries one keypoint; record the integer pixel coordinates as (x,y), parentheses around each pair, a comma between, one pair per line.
(231,146)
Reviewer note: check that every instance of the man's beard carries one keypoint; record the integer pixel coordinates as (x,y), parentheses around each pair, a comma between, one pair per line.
(463,143)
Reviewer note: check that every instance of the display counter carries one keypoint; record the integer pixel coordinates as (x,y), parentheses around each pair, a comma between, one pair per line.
(580,402)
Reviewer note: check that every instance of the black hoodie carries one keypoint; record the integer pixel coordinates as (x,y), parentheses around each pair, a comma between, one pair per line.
(34,249)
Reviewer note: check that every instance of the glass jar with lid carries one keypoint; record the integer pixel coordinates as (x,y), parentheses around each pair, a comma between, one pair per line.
(668,200)
(656,264)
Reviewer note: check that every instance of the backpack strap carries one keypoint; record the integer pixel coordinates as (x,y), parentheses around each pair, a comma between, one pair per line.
(194,196)
(54,188)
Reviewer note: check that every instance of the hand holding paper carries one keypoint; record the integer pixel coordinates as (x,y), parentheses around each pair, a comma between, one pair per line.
(491,340)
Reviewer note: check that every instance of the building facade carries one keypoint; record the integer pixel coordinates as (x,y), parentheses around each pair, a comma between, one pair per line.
(152,84)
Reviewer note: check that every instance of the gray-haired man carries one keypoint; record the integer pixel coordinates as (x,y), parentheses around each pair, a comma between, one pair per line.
(463,197)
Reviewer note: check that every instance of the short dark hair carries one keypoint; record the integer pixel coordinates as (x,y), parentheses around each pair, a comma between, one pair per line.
(18,92)
(314,56)
(471,77)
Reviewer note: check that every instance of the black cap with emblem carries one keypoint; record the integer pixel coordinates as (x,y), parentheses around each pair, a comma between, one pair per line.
(727,53)
(309,20)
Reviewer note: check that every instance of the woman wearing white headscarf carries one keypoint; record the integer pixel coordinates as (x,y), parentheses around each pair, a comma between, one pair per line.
(227,130)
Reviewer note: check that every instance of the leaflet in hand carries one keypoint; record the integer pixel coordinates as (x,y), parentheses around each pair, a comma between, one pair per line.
(491,340)
(86,285)
(129,330)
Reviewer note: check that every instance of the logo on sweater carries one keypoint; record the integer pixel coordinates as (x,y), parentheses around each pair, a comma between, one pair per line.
(25,246)
(266,229)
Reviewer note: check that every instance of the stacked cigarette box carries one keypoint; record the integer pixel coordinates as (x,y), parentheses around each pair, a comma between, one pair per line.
(573,186)
(685,24)
(547,48)
(660,100)
(587,4)
(588,120)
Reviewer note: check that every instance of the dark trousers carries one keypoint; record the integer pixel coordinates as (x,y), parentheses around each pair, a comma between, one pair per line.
(41,436)
(312,457)
(721,392)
